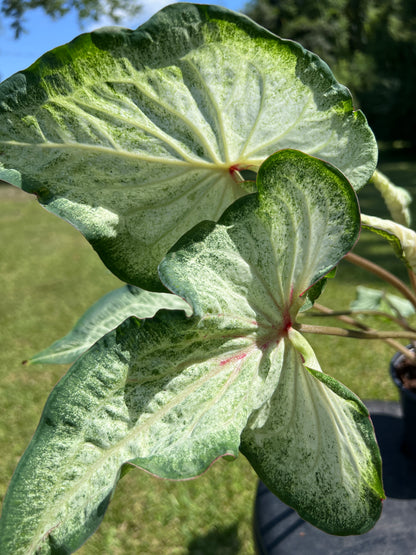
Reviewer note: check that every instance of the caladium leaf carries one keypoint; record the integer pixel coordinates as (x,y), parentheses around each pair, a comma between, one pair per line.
(375,299)
(312,444)
(175,393)
(12,177)
(106,315)
(396,198)
(402,239)
(136,136)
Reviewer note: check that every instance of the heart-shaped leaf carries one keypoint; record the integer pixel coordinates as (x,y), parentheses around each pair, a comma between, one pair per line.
(136,136)
(106,315)
(175,393)
(313,446)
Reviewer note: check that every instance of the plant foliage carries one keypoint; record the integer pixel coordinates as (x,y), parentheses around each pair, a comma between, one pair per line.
(141,139)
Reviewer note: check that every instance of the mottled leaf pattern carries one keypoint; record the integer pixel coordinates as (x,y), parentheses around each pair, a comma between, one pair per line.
(105,315)
(312,444)
(173,394)
(136,136)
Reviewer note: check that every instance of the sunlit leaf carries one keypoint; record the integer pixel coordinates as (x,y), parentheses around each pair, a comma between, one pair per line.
(312,444)
(374,299)
(106,315)
(136,136)
(396,198)
(402,239)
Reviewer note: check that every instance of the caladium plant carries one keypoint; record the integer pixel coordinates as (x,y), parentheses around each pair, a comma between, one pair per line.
(214,167)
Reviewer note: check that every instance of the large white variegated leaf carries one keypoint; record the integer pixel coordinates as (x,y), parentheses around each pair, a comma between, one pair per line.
(312,444)
(304,222)
(173,394)
(166,395)
(106,315)
(136,136)
(403,239)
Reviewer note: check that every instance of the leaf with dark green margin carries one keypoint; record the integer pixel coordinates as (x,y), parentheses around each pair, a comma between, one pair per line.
(175,393)
(106,315)
(136,136)
(313,445)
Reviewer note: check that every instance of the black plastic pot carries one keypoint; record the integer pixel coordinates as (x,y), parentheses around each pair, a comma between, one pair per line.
(408,404)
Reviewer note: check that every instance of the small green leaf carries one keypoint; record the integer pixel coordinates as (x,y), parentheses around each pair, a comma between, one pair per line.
(316,290)
(106,315)
(136,136)
(402,239)
(374,299)
(396,198)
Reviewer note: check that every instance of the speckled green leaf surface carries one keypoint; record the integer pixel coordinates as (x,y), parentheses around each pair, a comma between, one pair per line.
(312,443)
(163,394)
(173,394)
(104,316)
(136,136)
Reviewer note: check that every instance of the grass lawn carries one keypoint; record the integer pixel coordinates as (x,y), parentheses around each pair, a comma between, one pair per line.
(49,277)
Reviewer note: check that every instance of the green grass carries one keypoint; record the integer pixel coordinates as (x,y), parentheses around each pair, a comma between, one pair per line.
(49,277)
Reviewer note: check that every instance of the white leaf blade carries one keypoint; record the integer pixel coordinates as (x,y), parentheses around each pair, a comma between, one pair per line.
(134,144)
(313,445)
(119,403)
(396,198)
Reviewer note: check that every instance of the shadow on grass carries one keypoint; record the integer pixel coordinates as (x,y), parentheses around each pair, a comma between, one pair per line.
(221,541)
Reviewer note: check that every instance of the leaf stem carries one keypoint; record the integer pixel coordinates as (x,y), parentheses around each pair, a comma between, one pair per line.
(412,278)
(383,274)
(410,356)
(344,315)
(357,334)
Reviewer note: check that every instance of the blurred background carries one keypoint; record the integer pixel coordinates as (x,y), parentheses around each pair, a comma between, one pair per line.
(49,275)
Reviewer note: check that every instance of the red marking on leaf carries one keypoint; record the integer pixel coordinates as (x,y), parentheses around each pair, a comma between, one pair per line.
(231,359)
(234,168)
(287,322)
